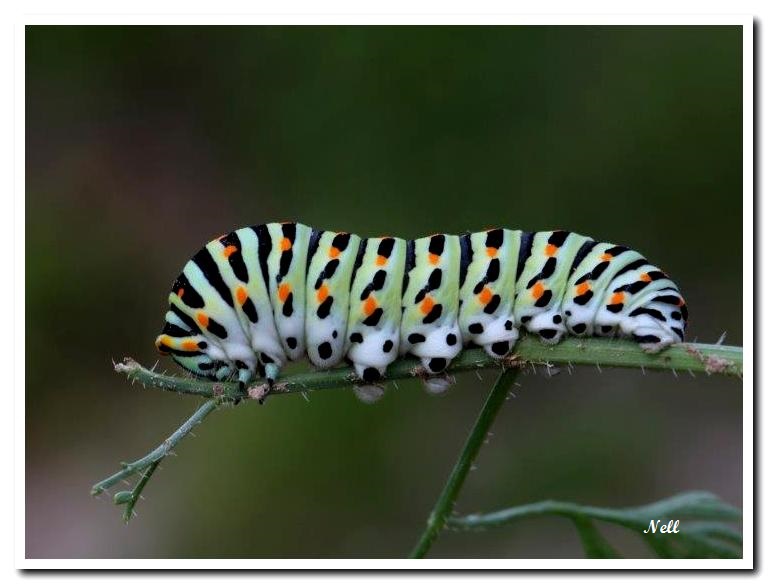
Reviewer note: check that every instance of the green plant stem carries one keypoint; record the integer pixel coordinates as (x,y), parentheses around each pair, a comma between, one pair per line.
(154,457)
(696,358)
(444,505)
(134,495)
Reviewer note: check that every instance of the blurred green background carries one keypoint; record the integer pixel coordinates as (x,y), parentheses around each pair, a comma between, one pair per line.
(142,143)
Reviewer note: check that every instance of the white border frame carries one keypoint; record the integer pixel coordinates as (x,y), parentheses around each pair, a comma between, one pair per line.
(274,18)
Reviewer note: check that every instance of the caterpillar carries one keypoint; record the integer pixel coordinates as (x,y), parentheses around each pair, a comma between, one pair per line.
(260,296)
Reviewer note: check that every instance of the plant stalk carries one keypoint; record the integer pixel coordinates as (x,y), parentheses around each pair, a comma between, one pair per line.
(130,468)
(695,358)
(447,499)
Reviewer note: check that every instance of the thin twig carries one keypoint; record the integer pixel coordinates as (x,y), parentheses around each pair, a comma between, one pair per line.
(130,498)
(711,359)
(475,440)
(154,457)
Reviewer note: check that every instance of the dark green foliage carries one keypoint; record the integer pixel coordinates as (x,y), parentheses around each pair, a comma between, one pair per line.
(704,530)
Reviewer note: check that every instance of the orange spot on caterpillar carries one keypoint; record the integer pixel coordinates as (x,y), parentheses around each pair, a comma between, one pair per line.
(617,298)
(180,293)
(334,252)
(491,251)
(426,305)
(242,295)
(189,345)
(645,277)
(381,260)
(282,292)
(485,295)
(681,302)
(538,290)
(229,250)
(606,257)
(285,244)
(322,294)
(202,318)
(370,305)
(550,250)
(582,288)
(433,259)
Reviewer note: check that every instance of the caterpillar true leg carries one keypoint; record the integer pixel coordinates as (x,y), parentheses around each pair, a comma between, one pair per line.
(271,368)
(253,299)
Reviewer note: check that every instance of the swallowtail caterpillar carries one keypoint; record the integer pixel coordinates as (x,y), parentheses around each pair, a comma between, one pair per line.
(253,299)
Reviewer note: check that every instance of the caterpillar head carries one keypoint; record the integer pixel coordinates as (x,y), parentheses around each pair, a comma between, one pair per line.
(193,354)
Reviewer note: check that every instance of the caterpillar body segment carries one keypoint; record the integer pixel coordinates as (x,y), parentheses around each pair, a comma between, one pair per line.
(586,288)
(373,328)
(542,282)
(332,258)
(253,299)
(430,302)
(287,269)
(487,294)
